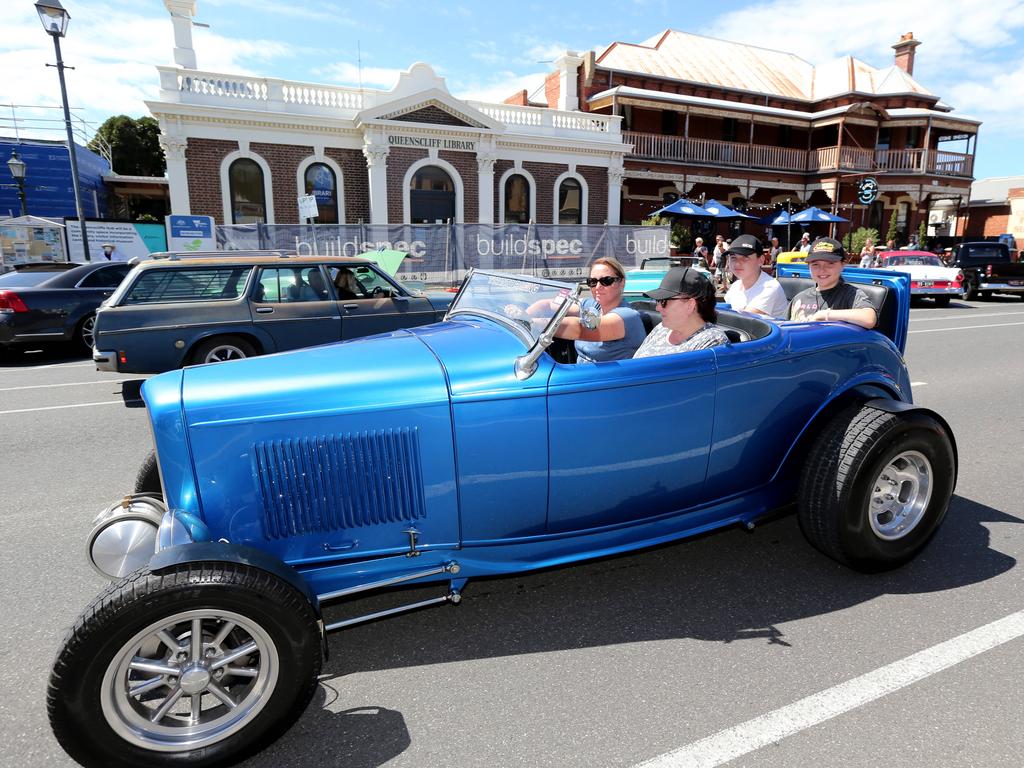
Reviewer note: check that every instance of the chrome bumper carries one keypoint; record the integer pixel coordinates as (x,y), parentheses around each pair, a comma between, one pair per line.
(936,292)
(1001,287)
(105,361)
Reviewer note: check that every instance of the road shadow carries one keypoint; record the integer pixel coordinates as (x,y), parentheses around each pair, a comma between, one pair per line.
(50,354)
(727,587)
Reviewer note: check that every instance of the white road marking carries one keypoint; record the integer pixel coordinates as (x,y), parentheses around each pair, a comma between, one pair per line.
(774,726)
(76,405)
(919,383)
(964,327)
(67,384)
(919,319)
(52,365)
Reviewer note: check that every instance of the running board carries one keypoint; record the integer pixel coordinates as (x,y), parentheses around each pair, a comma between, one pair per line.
(450,567)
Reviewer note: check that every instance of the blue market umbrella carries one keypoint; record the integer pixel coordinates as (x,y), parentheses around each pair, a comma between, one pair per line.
(814,215)
(683,207)
(777,219)
(720,211)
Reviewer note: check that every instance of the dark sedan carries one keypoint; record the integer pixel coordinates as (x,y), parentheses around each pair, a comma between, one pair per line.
(42,307)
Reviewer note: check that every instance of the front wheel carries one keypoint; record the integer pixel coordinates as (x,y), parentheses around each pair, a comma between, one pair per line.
(148,478)
(876,486)
(201,664)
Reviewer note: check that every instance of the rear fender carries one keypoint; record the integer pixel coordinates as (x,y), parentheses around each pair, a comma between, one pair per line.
(897,406)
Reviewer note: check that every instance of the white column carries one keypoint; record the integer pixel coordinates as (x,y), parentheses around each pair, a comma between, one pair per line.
(568,65)
(182,12)
(177,173)
(377,172)
(616,174)
(485,187)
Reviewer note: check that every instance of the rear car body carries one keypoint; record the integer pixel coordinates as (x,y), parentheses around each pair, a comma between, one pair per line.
(60,307)
(988,268)
(929,277)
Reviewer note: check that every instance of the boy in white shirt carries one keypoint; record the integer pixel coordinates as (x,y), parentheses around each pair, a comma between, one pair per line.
(753,290)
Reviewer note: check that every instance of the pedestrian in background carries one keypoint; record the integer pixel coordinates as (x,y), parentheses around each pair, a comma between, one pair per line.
(867,254)
(805,243)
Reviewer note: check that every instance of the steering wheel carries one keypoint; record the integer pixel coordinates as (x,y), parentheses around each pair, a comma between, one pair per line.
(378,292)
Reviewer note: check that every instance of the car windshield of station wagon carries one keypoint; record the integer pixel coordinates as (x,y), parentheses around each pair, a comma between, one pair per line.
(160,286)
(508,297)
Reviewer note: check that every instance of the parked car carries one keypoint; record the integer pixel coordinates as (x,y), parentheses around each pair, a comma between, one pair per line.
(181,311)
(988,269)
(651,271)
(452,451)
(929,277)
(44,307)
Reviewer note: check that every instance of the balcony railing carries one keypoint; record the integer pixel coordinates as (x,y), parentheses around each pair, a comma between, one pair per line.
(652,146)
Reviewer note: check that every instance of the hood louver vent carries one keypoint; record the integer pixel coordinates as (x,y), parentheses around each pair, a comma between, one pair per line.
(337,482)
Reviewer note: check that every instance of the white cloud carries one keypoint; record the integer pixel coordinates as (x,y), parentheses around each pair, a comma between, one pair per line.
(499,87)
(347,73)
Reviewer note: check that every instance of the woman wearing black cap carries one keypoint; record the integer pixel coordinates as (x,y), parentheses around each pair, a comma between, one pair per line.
(686,300)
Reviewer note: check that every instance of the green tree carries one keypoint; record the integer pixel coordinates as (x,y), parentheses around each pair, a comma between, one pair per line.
(922,235)
(893,231)
(857,239)
(134,145)
(679,234)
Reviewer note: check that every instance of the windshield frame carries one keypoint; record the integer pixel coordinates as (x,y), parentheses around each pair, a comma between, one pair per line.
(515,326)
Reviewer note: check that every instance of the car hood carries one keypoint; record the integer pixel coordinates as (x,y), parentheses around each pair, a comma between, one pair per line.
(374,373)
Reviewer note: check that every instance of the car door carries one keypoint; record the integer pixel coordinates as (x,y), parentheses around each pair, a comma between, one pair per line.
(379,305)
(287,307)
(629,439)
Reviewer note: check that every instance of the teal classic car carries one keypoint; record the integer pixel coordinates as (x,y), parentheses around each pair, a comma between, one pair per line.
(651,271)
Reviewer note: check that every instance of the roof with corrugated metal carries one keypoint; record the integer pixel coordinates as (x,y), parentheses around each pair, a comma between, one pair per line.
(994,191)
(695,58)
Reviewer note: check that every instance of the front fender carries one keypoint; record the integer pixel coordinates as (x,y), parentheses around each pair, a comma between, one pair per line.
(224,552)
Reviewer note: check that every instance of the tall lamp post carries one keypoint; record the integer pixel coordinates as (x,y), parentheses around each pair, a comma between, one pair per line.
(17,168)
(55,21)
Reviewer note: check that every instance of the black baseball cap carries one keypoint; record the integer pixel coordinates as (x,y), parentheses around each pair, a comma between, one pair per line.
(682,281)
(826,249)
(745,245)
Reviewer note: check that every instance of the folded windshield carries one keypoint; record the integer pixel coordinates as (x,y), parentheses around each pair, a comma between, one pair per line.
(526,303)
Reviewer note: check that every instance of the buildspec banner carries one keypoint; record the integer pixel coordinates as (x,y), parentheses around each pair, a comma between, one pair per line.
(441,254)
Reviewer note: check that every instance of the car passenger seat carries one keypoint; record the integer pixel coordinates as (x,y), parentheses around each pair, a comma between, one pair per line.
(878,295)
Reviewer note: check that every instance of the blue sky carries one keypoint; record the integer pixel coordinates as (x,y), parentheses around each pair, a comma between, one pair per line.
(972,55)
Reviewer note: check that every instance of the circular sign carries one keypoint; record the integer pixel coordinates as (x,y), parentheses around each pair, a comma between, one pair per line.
(867,191)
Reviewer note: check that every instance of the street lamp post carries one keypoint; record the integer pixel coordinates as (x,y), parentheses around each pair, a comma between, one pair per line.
(17,168)
(55,22)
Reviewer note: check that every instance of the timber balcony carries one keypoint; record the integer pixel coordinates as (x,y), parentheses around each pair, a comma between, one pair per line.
(652,146)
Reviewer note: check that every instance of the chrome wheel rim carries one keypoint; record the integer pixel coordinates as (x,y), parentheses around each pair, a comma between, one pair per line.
(189,681)
(222,353)
(88,329)
(900,495)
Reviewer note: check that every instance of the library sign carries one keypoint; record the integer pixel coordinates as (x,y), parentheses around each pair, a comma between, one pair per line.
(432,142)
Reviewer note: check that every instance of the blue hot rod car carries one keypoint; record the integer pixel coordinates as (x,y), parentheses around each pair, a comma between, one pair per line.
(459,450)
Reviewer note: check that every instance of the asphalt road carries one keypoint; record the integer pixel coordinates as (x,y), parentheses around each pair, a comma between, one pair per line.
(746,649)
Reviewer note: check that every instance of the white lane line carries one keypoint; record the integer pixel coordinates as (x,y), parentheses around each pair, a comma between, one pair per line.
(919,383)
(76,405)
(964,327)
(51,365)
(67,384)
(774,726)
(920,319)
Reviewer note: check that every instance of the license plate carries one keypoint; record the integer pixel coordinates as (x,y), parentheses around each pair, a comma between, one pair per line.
(926,283)
(1016,282)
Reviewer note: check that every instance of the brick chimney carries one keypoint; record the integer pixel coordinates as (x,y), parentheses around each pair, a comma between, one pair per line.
(905,52)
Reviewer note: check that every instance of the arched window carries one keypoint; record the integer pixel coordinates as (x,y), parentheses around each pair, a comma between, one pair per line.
(321,183)
(517,199)
(570,202)
(431,196)
(248,201)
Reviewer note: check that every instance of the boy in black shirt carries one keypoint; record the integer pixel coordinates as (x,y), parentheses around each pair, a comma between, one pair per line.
(831,298)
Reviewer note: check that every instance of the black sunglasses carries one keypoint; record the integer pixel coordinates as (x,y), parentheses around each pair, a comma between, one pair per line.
(605,281)
(662,303)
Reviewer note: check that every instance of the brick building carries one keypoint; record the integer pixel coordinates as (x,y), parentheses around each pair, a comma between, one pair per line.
(622,131)
(243,149)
